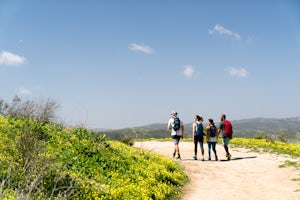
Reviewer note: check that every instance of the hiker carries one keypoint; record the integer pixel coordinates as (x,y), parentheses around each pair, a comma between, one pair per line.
(177,132)
(225,128)
(211,138)
(197,136)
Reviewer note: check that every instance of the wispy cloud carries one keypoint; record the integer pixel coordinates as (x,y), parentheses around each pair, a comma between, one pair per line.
(188,71)
(24,91)
(141,48)
(218,29)
(238,72)
(7,58)
(29,91)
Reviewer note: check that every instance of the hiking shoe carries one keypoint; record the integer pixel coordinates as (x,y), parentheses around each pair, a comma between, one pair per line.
(178,158)
(195,157)
(209,158)
(174,155)
(228,157)
(216,158)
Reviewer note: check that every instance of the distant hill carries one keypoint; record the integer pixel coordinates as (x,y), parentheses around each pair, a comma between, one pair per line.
(268,124)
(286,127)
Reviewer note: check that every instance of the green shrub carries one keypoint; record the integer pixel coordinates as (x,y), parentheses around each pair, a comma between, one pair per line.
(127,140)
(76,163)
(259,136)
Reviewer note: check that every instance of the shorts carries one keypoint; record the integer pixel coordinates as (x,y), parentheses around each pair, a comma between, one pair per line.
(225,141)
(176,139)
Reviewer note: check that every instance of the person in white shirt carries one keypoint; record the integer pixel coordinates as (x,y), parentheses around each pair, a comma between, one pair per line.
(177,132)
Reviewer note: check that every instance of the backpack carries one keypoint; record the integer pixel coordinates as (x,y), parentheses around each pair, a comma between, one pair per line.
(213,131)
(227,128)
(176,126)
(199,130)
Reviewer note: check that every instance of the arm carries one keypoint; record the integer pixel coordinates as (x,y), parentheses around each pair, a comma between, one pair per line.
(194,130)
(169,126)
(220,128)
(218,132)
(207,133)
(182,131)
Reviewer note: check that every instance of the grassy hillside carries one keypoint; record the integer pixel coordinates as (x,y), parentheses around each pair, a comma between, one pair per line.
(46,161)
(286,129)
(269,124)
(136,133)
(269,146)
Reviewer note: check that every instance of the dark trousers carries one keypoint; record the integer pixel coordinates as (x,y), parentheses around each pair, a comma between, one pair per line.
(198,139)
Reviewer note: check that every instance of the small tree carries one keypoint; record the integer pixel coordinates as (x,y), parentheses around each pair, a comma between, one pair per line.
(43,110)
(282,137)
(3,107)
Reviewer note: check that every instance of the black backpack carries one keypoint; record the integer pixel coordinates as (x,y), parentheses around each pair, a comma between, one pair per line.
(213,131)
(176,126)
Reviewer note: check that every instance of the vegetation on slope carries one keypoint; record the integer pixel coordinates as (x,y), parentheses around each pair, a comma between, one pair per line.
(47,161)
(273,146)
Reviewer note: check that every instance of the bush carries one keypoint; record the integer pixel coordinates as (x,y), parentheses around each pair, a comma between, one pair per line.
(43,110)
(127,140)
(259,136)
(25,165)
(65,163)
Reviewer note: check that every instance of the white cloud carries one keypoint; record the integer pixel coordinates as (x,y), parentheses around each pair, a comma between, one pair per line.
(7,58)
(141,47)
(218,29)
(29,91)
(238,72)
(188,71)
(24,91)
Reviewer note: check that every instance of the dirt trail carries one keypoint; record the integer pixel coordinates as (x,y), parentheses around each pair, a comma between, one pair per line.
(248,175)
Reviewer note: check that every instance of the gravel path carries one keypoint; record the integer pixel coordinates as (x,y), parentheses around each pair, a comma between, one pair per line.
(248,175)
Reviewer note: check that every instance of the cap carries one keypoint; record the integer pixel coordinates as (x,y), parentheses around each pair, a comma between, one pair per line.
(173,112)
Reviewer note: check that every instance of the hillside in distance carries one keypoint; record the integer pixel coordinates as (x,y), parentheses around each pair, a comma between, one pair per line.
(268,124)
(286,127)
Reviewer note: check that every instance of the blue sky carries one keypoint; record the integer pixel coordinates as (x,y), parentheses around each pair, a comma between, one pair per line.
(116,64)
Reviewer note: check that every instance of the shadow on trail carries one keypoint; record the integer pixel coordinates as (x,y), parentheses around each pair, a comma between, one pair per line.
(222,160)
(191,159)
(238,158)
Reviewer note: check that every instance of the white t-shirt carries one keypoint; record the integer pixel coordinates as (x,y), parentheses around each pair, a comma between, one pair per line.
(213,139)
(171,122)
